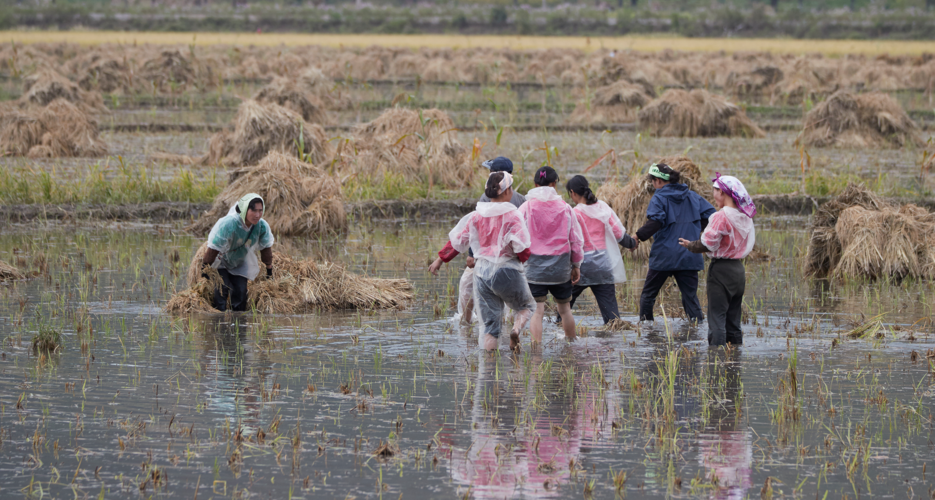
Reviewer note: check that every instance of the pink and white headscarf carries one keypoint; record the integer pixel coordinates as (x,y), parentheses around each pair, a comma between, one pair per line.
(732,185)
(506,183)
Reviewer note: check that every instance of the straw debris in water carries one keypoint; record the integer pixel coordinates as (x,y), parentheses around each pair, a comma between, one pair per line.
(631,201)
(419,145)
(301,199)
(847,120)
(696,113)
(297,286)
(10,273)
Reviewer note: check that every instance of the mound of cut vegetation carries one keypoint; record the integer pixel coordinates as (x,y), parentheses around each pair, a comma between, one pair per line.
(618,102)
(297,286)
(418,145)
(631,201)
(859,235)
(287,93)
(45,86)
(261,128)
(696,113)
(60,129)
(848,120)
(301,199)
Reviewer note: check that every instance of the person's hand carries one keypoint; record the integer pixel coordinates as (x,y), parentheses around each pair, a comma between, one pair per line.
(204,271)
(471,262)
(684,242)
(575,275)
(636,246)
(435,266)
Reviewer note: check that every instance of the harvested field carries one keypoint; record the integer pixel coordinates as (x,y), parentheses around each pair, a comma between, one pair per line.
(873,120)
(301,199)
(297,286)
(698,113)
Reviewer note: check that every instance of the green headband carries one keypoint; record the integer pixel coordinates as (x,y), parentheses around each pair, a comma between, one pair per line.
(655,172)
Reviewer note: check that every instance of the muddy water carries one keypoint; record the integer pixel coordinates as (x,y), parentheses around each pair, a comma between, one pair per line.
(139,403)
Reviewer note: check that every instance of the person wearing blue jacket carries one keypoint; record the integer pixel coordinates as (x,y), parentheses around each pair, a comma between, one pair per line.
(674,212)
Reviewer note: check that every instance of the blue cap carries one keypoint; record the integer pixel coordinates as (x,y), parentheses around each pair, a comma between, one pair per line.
(499,164)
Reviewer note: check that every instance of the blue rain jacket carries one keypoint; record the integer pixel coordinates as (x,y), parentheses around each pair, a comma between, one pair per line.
(680,211)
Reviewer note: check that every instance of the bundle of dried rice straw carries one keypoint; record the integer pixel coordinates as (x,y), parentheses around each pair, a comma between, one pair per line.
(696,113)
(618,102)
(60,129)
(858,235)
(419,145)
(301,199)
(297,286)
(847,120)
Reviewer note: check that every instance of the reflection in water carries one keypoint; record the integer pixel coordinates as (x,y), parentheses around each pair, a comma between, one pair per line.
(726,448)
(237,371)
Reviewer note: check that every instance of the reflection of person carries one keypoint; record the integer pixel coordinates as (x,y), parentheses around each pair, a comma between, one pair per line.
(725,448)
(232,246)
(728,238)
(466,284)
(237,382)
(602,267)
(556,250)
(497,235)
(674,212)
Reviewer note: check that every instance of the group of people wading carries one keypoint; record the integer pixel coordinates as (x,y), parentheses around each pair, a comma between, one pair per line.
(521,249)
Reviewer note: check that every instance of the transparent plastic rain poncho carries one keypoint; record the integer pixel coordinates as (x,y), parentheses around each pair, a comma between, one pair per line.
(602,230)
(555,237)
(729,235)
(496,233)
(237,244)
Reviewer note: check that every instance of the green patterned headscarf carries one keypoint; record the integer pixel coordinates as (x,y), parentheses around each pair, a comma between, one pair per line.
(655,172)
(244,204)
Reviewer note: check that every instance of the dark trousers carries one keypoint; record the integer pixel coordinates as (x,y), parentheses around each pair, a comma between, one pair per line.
(726,282)
(688,285)
(232,295)
(604,295)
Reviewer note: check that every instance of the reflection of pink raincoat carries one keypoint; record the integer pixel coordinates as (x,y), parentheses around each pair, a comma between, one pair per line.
(728,455)
(555,236)
(602,230)
(729,234)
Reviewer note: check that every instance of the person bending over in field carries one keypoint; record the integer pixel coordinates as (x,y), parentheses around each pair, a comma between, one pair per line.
(497,235)
(232,246)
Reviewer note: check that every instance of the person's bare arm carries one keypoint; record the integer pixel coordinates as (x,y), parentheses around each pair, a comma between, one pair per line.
(266,255)
(209,257)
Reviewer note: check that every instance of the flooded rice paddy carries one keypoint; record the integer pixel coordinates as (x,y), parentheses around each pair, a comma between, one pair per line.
(402,404)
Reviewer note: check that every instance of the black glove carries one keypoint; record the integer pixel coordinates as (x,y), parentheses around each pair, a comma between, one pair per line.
(204,271)
(269,272)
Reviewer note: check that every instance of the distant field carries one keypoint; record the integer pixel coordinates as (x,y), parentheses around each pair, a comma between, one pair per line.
(649,44)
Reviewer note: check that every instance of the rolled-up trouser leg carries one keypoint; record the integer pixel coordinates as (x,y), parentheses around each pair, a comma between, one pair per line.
(489,305)
(726,282)
(511,286)
(232,295)
(606,298)
(466,294)
(688,286)
(652,285)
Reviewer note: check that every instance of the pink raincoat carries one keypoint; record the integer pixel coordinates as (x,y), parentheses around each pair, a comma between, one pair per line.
(602,230)
(555,237)
(729,235)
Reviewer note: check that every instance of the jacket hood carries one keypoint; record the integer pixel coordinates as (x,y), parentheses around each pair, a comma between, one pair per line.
(675,192)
